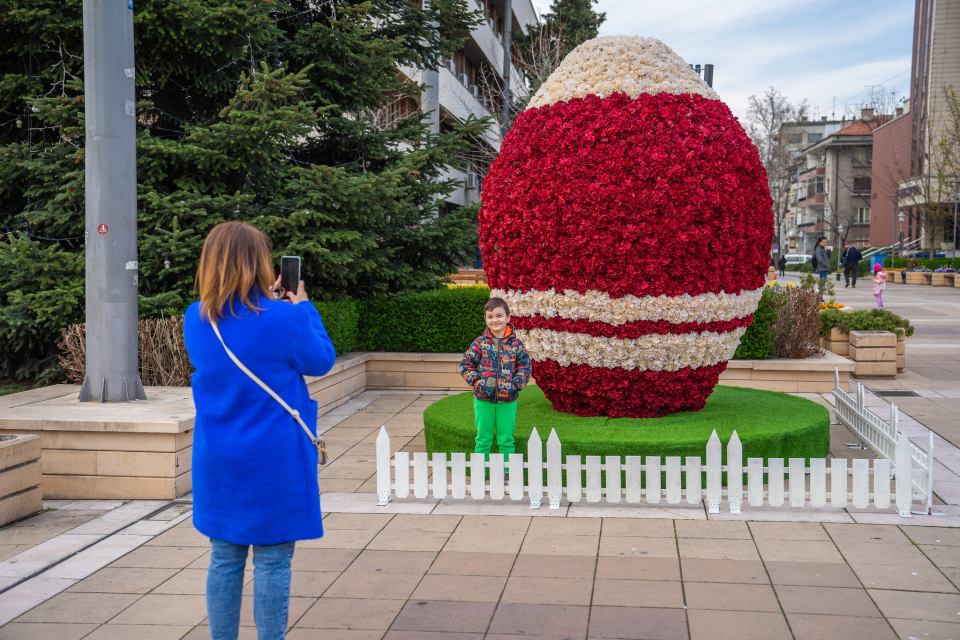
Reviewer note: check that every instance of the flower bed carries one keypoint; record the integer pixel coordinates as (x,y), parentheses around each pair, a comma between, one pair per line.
(769,425)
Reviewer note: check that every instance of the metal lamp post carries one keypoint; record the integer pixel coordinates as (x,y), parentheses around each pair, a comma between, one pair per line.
(111,203)
(840,249)
(901,217)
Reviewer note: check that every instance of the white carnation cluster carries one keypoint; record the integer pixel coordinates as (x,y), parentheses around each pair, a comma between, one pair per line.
(620,64)
(599,307)
(654,352)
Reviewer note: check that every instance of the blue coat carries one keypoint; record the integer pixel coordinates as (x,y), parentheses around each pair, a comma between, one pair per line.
(254,470)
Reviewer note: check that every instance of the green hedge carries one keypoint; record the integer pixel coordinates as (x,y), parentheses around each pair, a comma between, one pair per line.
(439,321)
(342,322)
(872,320)
(935,263)
(757,343)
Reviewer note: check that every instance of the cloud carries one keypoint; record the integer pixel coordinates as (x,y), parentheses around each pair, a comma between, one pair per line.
(816,50)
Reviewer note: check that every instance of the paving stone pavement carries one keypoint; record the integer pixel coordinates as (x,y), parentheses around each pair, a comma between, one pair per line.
(464,569)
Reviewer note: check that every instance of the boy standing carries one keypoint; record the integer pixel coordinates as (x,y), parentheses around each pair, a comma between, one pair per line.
(497,366)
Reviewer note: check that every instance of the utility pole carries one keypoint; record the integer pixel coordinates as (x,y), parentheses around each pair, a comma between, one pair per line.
(111,203)
(508,29)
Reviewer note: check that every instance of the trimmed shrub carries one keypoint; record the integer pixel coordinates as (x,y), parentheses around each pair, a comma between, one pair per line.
(758,342)
(864,320)
(438,321)
(935,263)
(341,319)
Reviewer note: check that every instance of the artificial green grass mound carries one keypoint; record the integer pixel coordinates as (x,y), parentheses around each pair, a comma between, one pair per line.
(770,425)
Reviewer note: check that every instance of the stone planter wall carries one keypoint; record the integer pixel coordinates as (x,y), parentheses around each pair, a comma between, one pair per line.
(875,353)
(837,342)
(20,493)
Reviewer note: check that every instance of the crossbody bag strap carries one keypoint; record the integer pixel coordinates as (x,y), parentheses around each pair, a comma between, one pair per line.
(316,440)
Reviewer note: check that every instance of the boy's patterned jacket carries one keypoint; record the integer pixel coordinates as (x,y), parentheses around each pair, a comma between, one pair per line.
(496,368)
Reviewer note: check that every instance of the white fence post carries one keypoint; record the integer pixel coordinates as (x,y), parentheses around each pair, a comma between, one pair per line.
(574,479)
(478,476)
(714,473)
(904,464)
(383,467)
(755,481)
(496,476)
(458,472)
(734,473)
(674,486)
(421,473)
(515,461)
(775,481)
(439,475)
(798,482)
(634,483)
(614,491)
(594,480)
(838,483)
(554,470)
(652,473)
(881,484)
(535,468)
(402,473)
(818,482)
(930,465)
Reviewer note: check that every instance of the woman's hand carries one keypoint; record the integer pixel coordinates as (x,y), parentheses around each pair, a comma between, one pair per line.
(275,289)
(299,296)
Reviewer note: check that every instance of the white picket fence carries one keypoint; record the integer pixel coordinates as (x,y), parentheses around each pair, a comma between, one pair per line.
(883,438)
(803,484)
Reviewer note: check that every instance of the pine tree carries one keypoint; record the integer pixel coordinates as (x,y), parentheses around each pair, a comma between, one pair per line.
(574,20)
(257,111)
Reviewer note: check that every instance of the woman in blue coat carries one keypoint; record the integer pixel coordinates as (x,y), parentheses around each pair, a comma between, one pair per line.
(254,469)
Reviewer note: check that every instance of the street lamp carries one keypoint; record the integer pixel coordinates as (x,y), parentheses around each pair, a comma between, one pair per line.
(840,249)
(901,217)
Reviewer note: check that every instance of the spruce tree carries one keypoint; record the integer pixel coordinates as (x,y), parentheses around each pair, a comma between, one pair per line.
(574,21)
(256,111)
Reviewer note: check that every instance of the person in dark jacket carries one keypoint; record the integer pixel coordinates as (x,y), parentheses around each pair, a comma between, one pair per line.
(851,263)
(254,469)
(822,259)
(498,367)
(782,264)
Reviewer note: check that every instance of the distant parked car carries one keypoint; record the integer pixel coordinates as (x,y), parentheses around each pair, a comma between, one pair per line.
(798,258)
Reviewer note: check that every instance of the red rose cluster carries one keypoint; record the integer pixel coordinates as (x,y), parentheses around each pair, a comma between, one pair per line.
(661,195)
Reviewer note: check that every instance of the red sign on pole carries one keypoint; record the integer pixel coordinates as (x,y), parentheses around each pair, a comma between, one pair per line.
(102,229)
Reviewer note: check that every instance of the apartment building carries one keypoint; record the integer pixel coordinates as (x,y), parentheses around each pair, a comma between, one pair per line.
(834,186)
(458,89)
(798,136)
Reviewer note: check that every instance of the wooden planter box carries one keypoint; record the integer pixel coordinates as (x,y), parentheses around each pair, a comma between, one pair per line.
(915,277)
(875,353)
(950,279)
(938,279)
(20,493)
(927,277)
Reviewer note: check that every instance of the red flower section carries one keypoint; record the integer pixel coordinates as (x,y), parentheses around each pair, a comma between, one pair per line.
(662,194)
(625,394)
(629,330)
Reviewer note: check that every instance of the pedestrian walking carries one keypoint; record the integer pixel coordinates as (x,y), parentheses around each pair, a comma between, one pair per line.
(879,282)
(254,467)
(823,260)
(851,265)
(782,264)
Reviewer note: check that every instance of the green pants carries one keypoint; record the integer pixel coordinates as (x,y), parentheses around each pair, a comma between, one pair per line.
(493,417)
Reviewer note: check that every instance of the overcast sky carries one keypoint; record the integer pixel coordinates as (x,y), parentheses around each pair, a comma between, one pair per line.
(818,50)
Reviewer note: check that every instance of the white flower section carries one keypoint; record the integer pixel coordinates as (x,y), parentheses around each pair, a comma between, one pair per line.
(655,352)
(620,64)
(600,307)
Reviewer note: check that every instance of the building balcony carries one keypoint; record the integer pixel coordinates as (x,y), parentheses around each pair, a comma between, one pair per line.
(811,173)
(808,201)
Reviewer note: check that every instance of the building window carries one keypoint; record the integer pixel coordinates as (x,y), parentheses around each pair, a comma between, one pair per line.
(794,155)
(795,138)
(822,161)
(861,185)
(863,157)
(861,215)
(814,137)
(819,184)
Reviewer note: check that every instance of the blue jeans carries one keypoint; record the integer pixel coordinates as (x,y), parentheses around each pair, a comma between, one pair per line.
(271,589)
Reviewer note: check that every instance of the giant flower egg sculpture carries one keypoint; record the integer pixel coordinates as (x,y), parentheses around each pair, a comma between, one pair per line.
(627,222)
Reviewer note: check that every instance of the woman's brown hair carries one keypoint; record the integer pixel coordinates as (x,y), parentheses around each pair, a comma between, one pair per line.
(235,264)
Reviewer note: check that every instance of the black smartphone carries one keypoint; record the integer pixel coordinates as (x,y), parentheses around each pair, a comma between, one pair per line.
(290,273)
